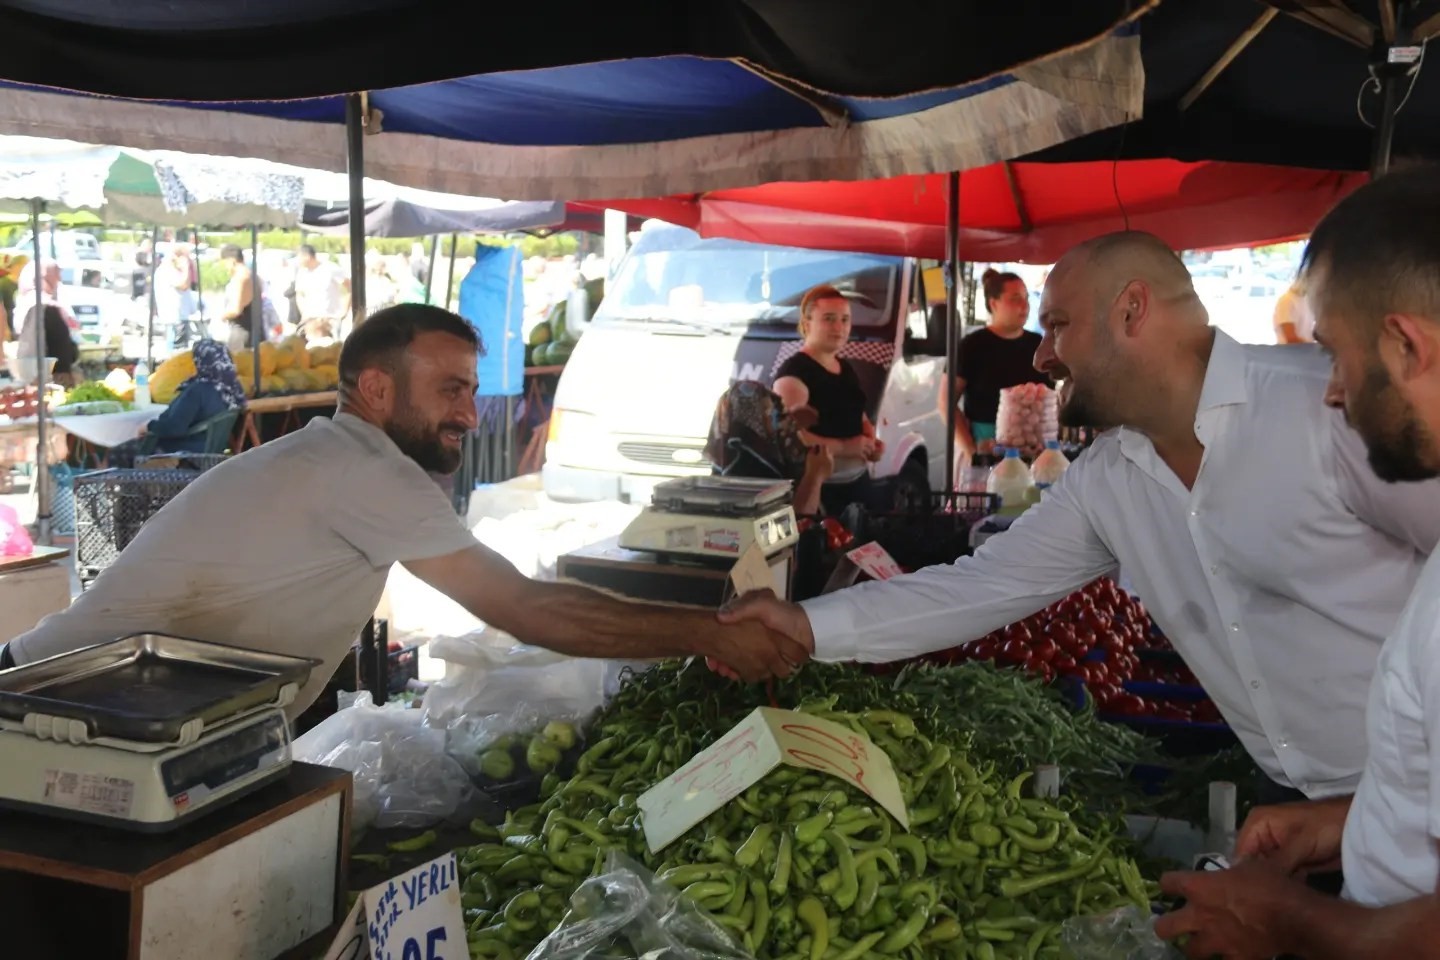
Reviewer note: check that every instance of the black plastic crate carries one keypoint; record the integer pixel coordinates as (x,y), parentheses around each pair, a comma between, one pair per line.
(941,534)
(110,508)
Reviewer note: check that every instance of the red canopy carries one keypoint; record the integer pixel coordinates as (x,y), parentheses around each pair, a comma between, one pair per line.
(1020,212)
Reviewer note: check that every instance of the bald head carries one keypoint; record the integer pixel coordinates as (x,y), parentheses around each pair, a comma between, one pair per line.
(1111,263)
(1122,322)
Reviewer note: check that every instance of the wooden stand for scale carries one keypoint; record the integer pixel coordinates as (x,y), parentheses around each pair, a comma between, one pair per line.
(260,879)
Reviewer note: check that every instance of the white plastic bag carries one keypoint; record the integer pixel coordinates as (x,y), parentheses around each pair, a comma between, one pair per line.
(626,914)
(488,673)
(1124,934)
(403,776)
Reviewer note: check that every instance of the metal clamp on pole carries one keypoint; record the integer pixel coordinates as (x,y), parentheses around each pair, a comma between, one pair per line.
(1393,61)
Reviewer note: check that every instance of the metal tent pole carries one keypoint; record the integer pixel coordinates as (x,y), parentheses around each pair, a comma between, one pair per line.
(150,320)
(42,445)
(430,270)
(199,284)
(952,319)
(450,278)
(1397,62)
(355,107)
(257,319)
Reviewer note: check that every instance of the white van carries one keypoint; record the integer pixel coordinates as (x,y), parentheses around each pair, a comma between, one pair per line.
(685,317)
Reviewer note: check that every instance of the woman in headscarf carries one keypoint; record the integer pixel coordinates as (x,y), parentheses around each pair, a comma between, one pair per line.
(215,389)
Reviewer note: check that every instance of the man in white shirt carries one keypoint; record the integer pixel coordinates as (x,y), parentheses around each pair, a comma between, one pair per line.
(1293,320)
(300,573)
(1240,507)
(1373,265)
(322,295)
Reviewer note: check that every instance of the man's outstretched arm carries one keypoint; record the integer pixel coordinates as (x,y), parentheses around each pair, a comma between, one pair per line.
(583,622)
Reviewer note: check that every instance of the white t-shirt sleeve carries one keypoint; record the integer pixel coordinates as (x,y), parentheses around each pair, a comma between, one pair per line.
(1045,555)
(1409,512)
(392,512)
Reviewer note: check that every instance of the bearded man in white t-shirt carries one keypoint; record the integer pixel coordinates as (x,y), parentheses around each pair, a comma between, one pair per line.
(300,573)
(1372,271)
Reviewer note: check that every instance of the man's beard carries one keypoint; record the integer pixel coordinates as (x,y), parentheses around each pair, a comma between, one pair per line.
(1397,443)
(1086,404)
(421,442)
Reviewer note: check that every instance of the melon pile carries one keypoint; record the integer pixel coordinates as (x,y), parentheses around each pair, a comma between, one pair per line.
(285,367)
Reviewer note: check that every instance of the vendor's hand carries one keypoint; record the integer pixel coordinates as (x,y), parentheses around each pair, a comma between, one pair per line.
(876,451)
(804,418)
(985,446)
(1238,914)
(144,429)
(1295,837)
(782,619)
(751,651)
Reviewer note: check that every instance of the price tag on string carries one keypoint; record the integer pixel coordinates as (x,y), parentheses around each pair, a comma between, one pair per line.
(875,561)
(751,572)
(757,745)
(413,916)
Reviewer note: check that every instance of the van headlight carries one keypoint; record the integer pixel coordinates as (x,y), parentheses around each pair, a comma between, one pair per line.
(572,427)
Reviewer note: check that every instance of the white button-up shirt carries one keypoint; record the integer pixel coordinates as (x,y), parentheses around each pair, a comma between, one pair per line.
(1390,853)
(1277,577)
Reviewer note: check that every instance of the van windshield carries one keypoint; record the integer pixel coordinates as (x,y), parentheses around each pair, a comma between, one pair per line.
(672,275)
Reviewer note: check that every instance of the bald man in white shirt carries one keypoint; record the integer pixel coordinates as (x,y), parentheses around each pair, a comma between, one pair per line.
(1239,505)
(1373,265)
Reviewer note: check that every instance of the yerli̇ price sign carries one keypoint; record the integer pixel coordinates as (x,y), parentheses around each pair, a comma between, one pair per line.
(414,916)
(757,745)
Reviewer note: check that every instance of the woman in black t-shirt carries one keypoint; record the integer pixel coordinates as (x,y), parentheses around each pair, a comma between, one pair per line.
(817,377)
(995,358)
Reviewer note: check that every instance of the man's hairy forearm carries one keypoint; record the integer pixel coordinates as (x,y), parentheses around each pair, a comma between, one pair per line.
(1323,928)
(584,622)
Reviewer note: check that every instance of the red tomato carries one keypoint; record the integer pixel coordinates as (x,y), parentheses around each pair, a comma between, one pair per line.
(1018,631)
(1046,671)
(1105,693)
(1069,608)
(1014,652)
(1044,650)
(1063,664)
(1170,711)
(1099,673)
(1113,642)
(1129,705)
(984,648)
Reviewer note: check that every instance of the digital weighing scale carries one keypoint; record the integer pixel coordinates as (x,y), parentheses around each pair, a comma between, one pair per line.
(715,517)
(146,732)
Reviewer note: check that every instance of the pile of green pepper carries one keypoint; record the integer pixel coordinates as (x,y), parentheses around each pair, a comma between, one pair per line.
(801,866)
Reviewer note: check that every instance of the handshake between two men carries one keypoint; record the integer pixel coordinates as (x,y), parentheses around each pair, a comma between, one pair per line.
(760,637)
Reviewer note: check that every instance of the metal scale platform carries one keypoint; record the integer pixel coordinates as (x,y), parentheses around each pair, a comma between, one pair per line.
(715,517)
(681,548)
(146,732)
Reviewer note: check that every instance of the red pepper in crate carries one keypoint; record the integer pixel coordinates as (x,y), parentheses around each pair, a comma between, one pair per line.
(836,536)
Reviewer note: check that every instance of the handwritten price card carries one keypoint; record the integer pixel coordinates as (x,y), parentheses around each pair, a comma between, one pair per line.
(414,916)
(875,561)
(758,744)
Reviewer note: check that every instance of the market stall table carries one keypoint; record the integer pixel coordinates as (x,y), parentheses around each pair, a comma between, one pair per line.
(260,879)
(288,404)
(32,588)
(106,430)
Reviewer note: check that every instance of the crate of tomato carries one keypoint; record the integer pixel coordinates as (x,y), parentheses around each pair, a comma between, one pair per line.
(1101,640)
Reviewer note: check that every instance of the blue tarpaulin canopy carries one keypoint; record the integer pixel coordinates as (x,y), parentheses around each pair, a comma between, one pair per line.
(633,128)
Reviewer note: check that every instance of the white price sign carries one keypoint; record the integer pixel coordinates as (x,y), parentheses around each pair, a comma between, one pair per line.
(414,916)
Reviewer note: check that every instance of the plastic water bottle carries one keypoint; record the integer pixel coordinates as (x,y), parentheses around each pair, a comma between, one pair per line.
(142,384)
(1010,480)
(1049,466)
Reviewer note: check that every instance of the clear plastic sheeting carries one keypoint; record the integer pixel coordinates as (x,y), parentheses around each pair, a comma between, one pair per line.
(1125,934)
(626,914)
